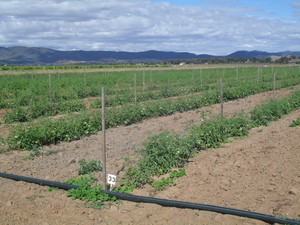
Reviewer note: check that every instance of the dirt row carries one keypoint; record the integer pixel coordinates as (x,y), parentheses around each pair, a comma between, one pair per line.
(184,67)
(259,173)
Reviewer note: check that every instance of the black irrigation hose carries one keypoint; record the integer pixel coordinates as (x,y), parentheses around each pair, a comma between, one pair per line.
(164,202)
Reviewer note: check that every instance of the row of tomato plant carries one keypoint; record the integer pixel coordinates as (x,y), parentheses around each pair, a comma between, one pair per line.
(38,107)
(19,90)
(66,67)
(163,152)
(71,127)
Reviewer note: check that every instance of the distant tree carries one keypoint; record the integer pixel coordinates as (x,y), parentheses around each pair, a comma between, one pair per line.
(268,59)
(283,60)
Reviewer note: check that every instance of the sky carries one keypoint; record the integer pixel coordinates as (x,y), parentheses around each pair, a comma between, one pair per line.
(217,27)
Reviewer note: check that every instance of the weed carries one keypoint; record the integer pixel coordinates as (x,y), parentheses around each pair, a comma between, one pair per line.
(35,152)
(88,167)
(88,192)
(177,173)
(51,152)
(166,182)
(295,122)
(34,197)
(190,123)
(52,188)
(163,184)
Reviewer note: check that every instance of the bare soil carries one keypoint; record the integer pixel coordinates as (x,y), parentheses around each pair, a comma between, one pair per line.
(259,173)
(203,66)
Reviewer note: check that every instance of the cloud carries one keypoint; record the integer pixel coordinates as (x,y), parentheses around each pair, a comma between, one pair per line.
(138,25)
(296,8)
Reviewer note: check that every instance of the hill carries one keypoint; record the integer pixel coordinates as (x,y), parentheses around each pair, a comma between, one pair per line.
(44,56)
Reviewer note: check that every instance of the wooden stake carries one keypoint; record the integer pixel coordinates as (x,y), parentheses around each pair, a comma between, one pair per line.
(221,97)
(135,95)
(84,84)
(104,174)
(50,87)
(144,84)
(201,79)
(274,84)
(284,75)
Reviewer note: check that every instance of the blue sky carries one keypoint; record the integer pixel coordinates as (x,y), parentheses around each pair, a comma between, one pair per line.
(216,27)
(276,9)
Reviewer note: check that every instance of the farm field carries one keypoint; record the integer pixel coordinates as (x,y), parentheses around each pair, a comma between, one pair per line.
(258,172)
(65,106)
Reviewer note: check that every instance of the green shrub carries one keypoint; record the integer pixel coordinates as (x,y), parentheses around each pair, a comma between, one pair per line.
(275,109)
(94,197)
(163,152)
(213,132)
(295,122)
(88,167)
(163,184)
(17,114)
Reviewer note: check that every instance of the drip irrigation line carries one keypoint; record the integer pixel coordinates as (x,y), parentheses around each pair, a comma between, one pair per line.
(163,202)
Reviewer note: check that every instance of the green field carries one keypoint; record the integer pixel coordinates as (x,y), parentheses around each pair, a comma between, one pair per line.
(46,108)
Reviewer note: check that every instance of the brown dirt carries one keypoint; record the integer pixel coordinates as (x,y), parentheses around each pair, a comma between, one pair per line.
(201,66)
(258,173)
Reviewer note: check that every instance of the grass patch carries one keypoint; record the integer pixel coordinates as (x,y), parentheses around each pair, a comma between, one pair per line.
(90,192)
(169,181)
(295,122)
(88,167)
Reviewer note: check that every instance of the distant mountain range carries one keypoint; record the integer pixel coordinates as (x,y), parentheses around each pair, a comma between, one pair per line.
(45,56)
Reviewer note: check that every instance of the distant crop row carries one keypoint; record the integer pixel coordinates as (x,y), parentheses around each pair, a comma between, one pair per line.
(67,128)
(22,90)
(66,67)
(179,83)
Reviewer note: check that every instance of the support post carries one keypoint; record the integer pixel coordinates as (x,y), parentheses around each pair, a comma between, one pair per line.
(50,87)
(84,84)
(144,84)
(274,84)
(135,95)
(104,174)
(221,97)
(201,78)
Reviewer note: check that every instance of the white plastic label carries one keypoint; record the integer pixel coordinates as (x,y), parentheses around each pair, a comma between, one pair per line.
(111,179)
